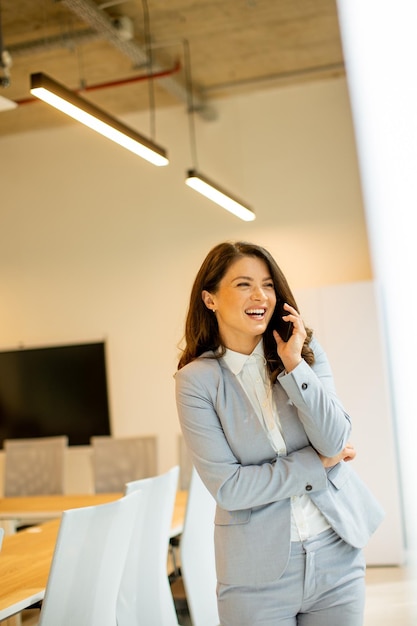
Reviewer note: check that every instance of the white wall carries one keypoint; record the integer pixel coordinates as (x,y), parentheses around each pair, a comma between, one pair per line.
(347,320)
(96,243)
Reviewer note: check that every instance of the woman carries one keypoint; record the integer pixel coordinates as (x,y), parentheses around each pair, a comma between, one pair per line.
(269,438)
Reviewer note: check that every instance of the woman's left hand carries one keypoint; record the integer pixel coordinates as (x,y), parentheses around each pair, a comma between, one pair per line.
(290,351)
(348,454)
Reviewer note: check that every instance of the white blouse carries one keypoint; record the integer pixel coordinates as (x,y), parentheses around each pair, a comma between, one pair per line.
(251,372)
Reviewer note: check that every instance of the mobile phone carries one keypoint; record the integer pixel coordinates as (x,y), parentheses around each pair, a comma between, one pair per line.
(284,328)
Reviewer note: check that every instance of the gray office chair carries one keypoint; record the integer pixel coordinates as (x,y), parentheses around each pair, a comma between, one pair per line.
(185,463)
(34,466)
(117,461)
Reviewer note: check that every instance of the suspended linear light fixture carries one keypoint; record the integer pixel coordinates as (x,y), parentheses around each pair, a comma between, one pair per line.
(213,192)
(201,183)
(58,96)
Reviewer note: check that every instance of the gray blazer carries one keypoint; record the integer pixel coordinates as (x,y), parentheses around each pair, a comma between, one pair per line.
(251,484)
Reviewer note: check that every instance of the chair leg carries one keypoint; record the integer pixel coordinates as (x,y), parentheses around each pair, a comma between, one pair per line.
(180,598)
(16,620)
(174,544)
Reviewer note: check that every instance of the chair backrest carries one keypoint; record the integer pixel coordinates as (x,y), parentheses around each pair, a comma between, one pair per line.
(117,461)
(197,554)
(87,565)
(145,595)
(1,536)
(34,466)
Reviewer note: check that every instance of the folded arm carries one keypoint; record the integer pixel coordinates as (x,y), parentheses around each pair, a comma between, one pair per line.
(234,483)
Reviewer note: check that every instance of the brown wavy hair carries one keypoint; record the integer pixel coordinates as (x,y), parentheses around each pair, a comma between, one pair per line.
(201,328)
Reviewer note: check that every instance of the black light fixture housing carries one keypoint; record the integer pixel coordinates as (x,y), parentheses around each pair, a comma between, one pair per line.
(67,101)
(194,178)
(215,193)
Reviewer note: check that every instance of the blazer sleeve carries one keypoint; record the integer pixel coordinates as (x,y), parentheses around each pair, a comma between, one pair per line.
(216,441)
(312,391)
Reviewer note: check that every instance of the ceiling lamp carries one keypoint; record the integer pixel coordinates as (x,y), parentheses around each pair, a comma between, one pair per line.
(216,194)
(58,96)
(196,180)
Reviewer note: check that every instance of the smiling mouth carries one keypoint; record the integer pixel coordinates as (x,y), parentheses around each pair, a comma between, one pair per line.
(257,314)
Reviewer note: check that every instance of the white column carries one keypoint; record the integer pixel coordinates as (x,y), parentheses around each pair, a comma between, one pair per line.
(380,46)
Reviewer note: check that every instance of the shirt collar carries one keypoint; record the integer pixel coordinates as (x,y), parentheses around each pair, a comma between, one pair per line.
(236,360)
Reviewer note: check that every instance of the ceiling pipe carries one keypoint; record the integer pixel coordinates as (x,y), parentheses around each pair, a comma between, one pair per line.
(114,83)
(99,21)
(334,69)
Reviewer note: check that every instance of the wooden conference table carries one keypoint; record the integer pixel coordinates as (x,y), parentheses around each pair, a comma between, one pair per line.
(25,557)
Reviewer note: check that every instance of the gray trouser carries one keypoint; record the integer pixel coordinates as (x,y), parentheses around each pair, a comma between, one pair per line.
(323,585)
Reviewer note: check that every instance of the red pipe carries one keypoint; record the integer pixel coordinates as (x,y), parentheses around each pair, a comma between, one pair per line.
(115,83)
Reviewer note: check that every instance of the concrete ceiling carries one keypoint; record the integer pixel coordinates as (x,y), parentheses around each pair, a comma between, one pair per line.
(220,47)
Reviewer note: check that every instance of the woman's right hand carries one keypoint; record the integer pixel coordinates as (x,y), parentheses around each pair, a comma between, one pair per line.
(348,454)
(290,351)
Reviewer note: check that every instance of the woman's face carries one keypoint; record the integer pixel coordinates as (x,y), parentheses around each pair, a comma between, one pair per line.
(243,304)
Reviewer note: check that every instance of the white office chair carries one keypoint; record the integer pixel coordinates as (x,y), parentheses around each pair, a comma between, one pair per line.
(198,569)
(117,461)
(34,466)
(145,595)
(87,565)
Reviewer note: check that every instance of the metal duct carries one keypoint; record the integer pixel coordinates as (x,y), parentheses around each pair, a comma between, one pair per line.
(101,23)
(46,44)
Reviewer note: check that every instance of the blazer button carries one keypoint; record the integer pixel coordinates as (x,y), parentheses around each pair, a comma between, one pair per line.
(309,488)
(304,386)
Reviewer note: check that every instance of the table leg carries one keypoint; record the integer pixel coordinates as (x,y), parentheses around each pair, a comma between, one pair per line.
(15,620)
(9,526)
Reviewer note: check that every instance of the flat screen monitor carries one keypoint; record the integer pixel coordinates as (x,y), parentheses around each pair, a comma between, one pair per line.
(58,390)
